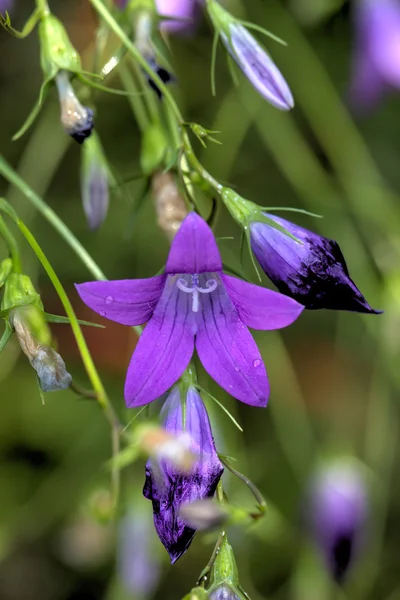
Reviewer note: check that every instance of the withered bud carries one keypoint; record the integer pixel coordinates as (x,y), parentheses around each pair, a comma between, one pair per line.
(76,119)
(170,205)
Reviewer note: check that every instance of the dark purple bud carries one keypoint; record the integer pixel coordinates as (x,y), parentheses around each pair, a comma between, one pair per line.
(312,272)
(77,119)
(164,75)
(95,180)
(168,487)
(338,514)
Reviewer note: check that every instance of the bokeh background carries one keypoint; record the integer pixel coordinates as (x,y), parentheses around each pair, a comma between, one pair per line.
(334,376)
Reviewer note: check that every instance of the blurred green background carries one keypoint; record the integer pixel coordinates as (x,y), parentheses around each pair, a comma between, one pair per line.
(334,376)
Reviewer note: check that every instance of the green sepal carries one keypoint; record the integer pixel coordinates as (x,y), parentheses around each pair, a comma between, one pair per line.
(28,27)
(6,266)
(50,318)
(7,333)
(56,51)
(224,572)
(202,133)
(19,291)
(154,146)
(35,110)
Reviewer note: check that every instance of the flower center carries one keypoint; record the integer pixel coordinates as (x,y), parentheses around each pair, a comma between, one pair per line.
(195,289)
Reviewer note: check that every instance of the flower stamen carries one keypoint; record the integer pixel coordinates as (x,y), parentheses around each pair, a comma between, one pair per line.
(195,289)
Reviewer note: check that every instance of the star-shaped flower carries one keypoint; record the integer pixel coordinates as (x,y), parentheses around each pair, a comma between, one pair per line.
(193,305)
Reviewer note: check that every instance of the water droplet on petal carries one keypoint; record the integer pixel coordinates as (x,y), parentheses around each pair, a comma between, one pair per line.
(256,362)
(103,313)
(109,299)
(237,369)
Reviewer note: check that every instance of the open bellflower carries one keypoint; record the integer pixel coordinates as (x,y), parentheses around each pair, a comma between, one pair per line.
(168,487)
(338,515)
(313,272)
(193,304)
(376,61)
(251,58)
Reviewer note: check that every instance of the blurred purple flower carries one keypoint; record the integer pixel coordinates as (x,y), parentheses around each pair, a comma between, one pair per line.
(376,61)
(168,487)
(338,514)
(138,565)
(6,5)
(185,10)
(313,272)
(193,304)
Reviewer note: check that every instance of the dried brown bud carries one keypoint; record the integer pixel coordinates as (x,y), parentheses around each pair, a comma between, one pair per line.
(170,205)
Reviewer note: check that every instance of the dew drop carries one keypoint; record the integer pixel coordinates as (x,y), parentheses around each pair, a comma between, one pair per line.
(237,369)
(256,362)
(109,299)
(103,313)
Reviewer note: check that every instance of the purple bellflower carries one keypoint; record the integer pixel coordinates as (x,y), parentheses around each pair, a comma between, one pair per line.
(168,487)
(194,304)
(338,515)
(184,11)
(376,62)
(313,272)
(251,58)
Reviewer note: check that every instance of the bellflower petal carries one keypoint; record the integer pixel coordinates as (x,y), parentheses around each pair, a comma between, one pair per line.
(185,11)
(164,349)
(127,301)
(260,308)
(194,249)
(338,514)
(168,488)
(258,67)
(313,272)
(228,352)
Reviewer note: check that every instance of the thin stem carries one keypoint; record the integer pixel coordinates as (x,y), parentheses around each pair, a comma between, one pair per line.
(43,7)
(262,505)
(113,25)
(198,167)
(12,245)
(135,101)
(8,173)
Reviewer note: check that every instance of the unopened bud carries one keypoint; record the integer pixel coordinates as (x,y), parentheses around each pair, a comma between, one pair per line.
(95,178)
(197,593)
(50,369)
(76,119)
(170,205)
(203,514)
(224,576)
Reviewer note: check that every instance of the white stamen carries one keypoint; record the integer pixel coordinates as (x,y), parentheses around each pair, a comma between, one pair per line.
(195,289)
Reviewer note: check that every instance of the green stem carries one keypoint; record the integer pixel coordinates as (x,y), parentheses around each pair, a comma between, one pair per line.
(12,246)
(119,32)
(43,8)
(135,101)
(194,162)
(10,175)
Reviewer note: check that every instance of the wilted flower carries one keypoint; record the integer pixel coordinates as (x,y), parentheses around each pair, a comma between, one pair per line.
(95,180)
(139,566)
(169,488)
(170,205)
(376,64)
(193,304)
(338,514)
(144,26)
(76,119)
(313,272)
(24,313)
(184,11)
(251,58)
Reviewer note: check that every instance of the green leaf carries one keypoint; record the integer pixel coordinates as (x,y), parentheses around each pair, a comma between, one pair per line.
(50,318)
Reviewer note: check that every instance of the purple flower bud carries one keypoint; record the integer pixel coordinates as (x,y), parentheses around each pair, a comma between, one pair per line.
(185,10)
(251,57)
(167,487)
(338,514)
(312,272)
(6,6)
(95,177)
(376,62)
(225,591)
(77,119)
(138,564)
